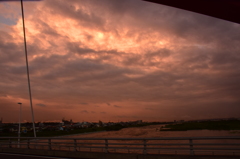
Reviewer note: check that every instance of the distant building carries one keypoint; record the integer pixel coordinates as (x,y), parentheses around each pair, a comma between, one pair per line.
(1,124)
(66,122)
(139,121)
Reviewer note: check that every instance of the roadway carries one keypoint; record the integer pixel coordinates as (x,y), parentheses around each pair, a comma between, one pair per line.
(22,156)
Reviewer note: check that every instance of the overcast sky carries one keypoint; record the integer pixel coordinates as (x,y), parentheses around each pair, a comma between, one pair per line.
(117,60)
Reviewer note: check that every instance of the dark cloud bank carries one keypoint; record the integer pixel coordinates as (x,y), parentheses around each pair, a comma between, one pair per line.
(195,75)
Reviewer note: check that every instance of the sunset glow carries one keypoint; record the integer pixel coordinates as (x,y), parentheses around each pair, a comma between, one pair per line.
(116,61)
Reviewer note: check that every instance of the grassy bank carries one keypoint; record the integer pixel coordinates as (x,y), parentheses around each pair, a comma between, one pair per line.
(209,125)
(48,133)
(52,133)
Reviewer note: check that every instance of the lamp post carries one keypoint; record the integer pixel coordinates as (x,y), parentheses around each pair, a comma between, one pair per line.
(19,127)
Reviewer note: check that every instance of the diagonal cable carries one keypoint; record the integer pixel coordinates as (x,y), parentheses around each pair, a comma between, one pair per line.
(26,55)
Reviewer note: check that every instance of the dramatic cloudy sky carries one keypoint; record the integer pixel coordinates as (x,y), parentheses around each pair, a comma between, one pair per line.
(117,60)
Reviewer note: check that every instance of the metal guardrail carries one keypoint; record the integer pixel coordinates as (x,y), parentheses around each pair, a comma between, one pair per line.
(176,145)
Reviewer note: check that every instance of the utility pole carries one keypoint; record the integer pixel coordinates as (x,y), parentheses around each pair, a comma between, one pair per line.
(19,127)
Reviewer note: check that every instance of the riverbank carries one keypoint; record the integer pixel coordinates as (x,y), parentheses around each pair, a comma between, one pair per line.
(74,131)
(203,125)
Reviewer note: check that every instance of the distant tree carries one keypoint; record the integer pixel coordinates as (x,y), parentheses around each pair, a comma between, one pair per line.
(100,123)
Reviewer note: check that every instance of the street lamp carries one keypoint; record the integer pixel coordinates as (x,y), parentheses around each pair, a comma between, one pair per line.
(19,127)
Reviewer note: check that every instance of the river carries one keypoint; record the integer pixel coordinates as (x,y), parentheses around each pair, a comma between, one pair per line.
(152,131)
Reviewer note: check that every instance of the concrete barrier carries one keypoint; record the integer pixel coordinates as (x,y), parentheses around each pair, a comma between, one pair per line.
(98,155)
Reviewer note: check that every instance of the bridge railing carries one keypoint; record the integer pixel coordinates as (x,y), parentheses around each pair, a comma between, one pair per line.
(168,145)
